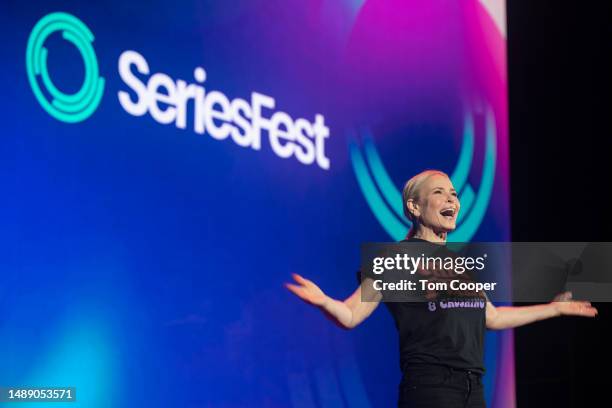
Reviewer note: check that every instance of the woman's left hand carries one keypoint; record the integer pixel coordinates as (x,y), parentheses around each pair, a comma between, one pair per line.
(565,306)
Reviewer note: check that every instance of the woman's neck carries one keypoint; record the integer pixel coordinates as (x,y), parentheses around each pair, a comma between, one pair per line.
(429,235)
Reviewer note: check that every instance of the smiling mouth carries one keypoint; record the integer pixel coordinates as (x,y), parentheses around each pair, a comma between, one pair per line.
(448,213)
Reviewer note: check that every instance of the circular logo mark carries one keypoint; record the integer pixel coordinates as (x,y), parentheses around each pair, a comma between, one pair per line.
(385,199)
(69,108)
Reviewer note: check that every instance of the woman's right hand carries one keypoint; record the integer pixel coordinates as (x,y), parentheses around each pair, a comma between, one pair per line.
(307,290)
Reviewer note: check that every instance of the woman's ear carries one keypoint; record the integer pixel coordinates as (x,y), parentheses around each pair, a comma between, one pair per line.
(413,208)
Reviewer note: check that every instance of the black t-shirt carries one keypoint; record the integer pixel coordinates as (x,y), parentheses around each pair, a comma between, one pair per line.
(448,331)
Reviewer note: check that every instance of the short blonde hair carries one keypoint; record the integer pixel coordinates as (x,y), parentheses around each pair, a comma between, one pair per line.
(412,191)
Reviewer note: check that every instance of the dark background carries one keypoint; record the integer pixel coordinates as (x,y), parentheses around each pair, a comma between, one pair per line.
(560,125)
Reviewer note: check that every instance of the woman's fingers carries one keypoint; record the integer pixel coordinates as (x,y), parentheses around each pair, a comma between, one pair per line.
(306,294)
(306,290)
(300,279)
(567,306)
(579,308)
(298,290)
(306,283)
(588,311)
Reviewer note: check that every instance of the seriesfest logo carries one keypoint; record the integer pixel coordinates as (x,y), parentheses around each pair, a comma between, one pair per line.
(166,100)
(385,199)
(69,108)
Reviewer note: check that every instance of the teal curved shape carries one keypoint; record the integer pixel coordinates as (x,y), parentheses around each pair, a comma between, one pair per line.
(462,170)
(468,228)
(91,73)
(383,181)
(394,227)
(467,200)
(70,108)
(459,176)
(388,207)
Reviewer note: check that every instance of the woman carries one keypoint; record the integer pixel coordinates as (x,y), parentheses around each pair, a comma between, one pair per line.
(441,353)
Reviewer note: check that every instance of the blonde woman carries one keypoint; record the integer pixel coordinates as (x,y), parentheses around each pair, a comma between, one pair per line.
(442,353)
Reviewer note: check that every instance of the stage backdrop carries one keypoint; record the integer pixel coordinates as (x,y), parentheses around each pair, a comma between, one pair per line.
(166,165)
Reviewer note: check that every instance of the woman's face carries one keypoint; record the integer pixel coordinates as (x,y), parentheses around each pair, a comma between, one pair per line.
(438,204)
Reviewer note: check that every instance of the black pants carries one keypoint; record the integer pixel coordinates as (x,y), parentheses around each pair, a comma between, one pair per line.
(441,387)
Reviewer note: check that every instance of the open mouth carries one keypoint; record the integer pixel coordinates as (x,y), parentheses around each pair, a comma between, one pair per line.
(448,213)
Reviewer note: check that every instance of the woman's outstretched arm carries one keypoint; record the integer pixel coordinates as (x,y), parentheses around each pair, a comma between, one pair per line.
(507,317)
(346,314)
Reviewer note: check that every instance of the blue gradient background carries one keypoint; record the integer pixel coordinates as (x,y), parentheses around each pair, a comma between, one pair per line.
(144,264)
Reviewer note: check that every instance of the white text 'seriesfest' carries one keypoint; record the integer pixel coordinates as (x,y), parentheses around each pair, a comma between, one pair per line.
(243,121)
